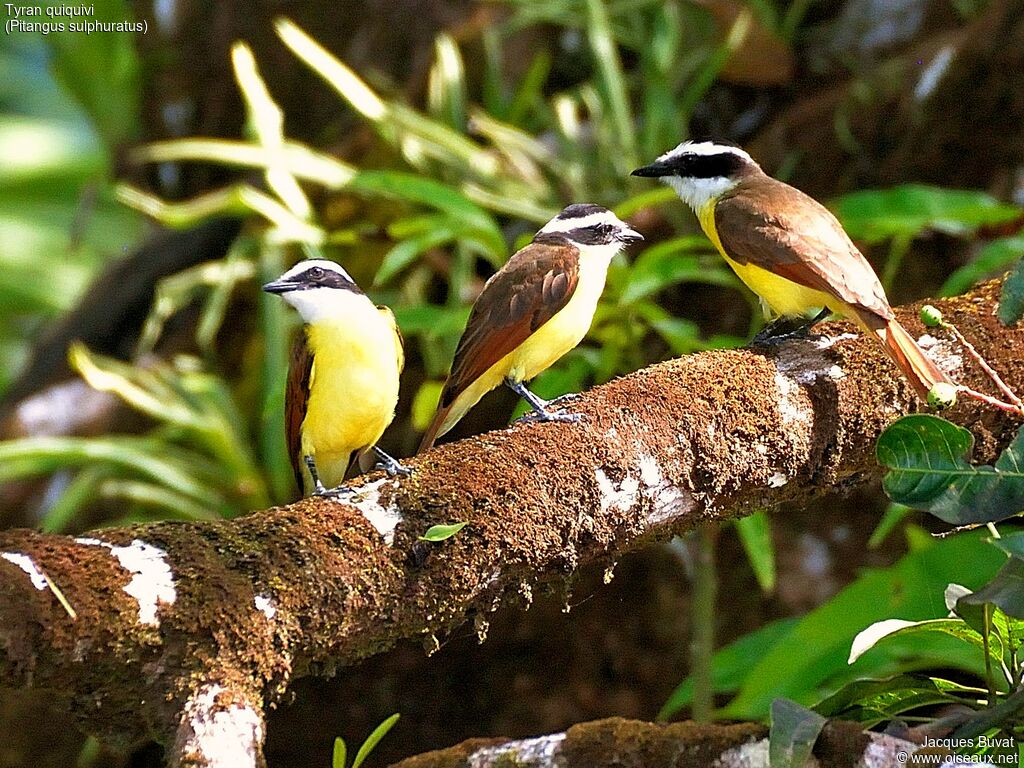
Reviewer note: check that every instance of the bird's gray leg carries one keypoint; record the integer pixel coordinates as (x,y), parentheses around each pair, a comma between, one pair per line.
(540,407)
(785,328)
(390,464)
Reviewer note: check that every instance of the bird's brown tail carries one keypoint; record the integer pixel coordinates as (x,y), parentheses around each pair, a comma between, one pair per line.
(916,366)
(435,426)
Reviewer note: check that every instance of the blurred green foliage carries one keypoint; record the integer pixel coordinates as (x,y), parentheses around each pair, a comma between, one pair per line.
(59,221)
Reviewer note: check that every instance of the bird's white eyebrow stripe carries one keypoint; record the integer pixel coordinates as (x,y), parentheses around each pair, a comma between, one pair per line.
(306,264)
(704,148)
(568,225)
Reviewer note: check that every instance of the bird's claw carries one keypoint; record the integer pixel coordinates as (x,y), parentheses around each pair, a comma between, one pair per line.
(394,468)
(534,417)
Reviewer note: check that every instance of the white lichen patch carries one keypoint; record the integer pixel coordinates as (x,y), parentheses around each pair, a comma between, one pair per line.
(265,605)
(27,564)
(384,519)
(152,582)
(621,497)
(777,480)
(223,736)
(540,751)
(668,501)
(752,754)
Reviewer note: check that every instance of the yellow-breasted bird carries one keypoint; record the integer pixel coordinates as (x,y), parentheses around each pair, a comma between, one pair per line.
(536,308)
(343,376)
(788,248)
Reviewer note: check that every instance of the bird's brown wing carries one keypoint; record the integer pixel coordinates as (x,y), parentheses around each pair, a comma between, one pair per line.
(799,240)
(529,290)
(296,397)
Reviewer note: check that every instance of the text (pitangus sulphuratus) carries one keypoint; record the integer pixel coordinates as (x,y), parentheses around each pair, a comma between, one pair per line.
(343,376)
(788,248)
(531,312)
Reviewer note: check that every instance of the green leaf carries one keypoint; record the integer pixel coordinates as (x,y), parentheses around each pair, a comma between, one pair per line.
(413,188)
(1005,591)
(446,85)
(404,253)
(1011,299)
(755,533)
(868,638)
(730,664)
(339,757)
(441,532)
(869,701)
(992,259)
(101,70)
(812,658)
(925,456)
(611,80)
(894,515)
(911,210)
(794,729)
(374,739)
(674,261)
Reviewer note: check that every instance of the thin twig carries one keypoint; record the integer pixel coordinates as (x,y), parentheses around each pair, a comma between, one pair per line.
(988,369)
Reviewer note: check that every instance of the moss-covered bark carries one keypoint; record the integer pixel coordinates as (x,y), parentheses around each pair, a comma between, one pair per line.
(173,618)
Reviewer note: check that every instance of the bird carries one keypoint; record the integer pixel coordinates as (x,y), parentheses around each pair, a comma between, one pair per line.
(343,376)
(787,248)
(532,311)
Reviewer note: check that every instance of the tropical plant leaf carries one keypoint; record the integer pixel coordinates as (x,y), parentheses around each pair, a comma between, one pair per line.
(910,210)
(794,729)
(1011,299)
(992,259)
(928,470)
(437,533)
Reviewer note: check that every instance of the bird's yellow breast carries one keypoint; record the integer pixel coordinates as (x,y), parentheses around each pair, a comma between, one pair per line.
(781,296)
(353,386)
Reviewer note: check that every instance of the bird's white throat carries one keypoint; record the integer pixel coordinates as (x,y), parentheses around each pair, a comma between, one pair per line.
(698,192)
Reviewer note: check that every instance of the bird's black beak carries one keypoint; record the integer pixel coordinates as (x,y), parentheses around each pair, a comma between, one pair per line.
(630,235)
(655,170)
(279,286)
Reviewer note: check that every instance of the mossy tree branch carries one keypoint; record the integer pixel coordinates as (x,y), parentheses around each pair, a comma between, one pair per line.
(187,632)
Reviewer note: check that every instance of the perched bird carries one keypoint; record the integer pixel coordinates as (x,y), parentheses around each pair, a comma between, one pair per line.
(531,312)
(788,248)
(343,377)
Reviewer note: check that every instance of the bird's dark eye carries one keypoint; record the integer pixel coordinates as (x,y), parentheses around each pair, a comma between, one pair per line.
(315,272)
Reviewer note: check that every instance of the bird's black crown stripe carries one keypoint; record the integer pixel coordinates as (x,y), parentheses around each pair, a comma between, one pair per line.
(579,210)
(318,277)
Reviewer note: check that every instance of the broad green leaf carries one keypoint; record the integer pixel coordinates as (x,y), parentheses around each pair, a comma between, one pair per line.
(374,739)
(794,729)
(1011,299)
(811,660)
(437,533)
(1005,591)
(730,664)
(870,701)
(868,638)
(1011,543)
(911,210)
(755,533)
(101,70)
(992,259)
(925,456)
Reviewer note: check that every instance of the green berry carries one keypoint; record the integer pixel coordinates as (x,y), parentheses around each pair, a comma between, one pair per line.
(931,316)
(942,396)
